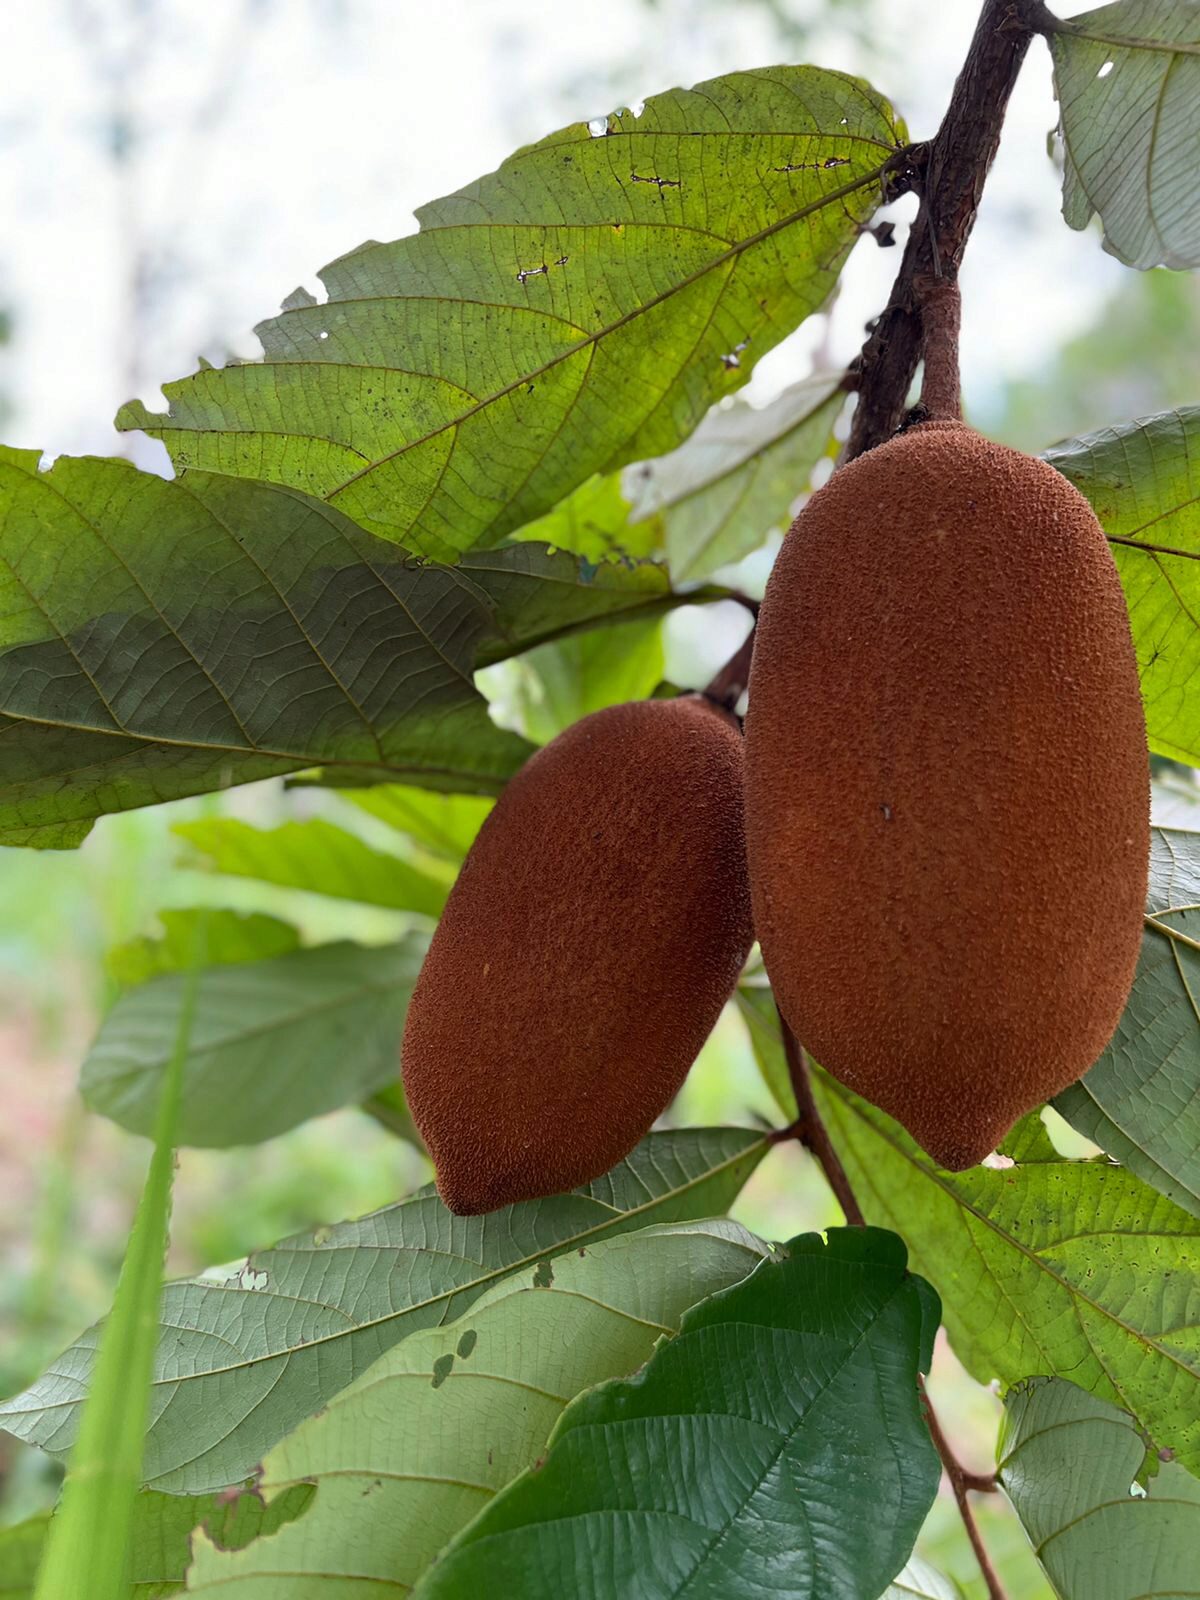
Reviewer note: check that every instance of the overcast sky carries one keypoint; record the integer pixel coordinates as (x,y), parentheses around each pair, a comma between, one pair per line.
(271,137)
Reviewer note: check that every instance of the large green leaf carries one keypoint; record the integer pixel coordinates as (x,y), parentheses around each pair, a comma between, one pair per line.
(776,1443)
(1143,480)
(581,307)
(242,1360)
(1107,1520)
(160,1538)
(160,639)
(275,1041)
(318,856)
(1074,1269)
(1141,1101)
(411,1452)
(920,1581)
(1128,81)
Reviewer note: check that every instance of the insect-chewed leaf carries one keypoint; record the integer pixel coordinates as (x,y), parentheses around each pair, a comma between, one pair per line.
(1128,80)
(1143,481)
(1107,1519)
(579,308)
(1141,1101)
(411,1452)
(784,1418)
(242,1360)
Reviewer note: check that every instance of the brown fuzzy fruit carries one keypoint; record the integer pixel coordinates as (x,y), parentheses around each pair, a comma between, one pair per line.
(596,930)
(947,788)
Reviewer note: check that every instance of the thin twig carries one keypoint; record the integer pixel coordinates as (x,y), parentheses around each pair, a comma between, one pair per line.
(810,1130)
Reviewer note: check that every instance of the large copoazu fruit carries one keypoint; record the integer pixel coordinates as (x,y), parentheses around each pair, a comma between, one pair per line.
(596,930)
(947,787)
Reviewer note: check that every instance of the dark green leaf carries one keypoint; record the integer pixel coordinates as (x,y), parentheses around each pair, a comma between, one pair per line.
(778,1440)
(242,1360)
(275,1041)
(160,639)
(581,307)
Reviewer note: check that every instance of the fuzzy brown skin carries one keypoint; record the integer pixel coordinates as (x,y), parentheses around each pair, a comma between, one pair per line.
(596,930)
(947,785)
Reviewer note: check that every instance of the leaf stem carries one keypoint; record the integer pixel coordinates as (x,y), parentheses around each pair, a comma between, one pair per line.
(810,1130)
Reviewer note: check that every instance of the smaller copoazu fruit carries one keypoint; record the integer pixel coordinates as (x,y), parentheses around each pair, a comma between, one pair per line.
(947,786)
(595,932)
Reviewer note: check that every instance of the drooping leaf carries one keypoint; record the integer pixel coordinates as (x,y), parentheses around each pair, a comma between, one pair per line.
(777,1439)
(581,307)
(1143,480)
(275,1042)
(411,1452)
(241,1362)
(756,1003)
(1128,82)
(1141,1101)
(714,498)
(160,1537)
(724,489)
(1106,1523)
(229,936)
(1070,1268)
(89,1541)
(316,855)
(159,639)
(443,824)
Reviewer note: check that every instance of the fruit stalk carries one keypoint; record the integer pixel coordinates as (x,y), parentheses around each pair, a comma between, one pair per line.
(952,169)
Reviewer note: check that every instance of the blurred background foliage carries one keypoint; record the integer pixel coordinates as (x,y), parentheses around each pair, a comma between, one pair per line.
(183,175)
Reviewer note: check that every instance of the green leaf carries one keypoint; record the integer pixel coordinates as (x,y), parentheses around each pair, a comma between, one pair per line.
(318,856)
(1069,1268)
(242,1361)
(88,1548)
(161,639)
(581,307)
(275,1041)
(783,1418)
(724,489)
(557,684)
(229,937)
(443,824)
(1143,480)
(160,1537)
(411,1452)
(1128,80)
(593,522)
(1141,1101)
(1103,1526)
